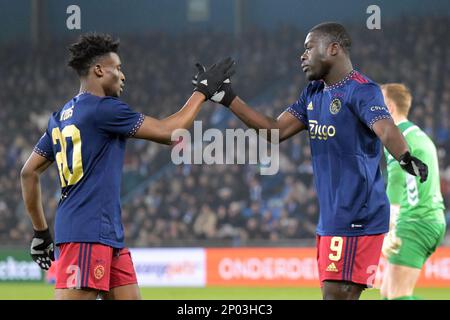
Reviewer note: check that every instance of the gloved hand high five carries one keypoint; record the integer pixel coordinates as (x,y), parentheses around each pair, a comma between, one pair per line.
(42,249)
(224,94)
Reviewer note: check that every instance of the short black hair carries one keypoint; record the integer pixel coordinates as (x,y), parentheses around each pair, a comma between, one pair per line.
(335,33)
(88,48)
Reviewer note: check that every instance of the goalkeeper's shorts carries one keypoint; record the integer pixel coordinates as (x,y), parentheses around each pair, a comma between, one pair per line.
(93,265)
(414,242)
(354,259)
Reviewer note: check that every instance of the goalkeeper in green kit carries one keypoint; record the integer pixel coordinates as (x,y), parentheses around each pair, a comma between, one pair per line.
(417,224)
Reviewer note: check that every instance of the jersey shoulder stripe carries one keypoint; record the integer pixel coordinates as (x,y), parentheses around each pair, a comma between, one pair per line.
(409,130)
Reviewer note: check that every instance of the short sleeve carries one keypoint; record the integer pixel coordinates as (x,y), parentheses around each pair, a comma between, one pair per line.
(115,116)
(369,104)
(44,147)
(298,108)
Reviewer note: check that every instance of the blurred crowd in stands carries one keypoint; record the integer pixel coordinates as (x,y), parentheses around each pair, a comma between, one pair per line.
(165,204)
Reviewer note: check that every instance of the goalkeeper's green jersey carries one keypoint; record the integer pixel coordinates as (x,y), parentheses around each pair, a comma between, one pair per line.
(418,201)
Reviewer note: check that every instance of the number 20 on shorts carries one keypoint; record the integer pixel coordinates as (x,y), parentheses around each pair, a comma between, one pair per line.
(336,248)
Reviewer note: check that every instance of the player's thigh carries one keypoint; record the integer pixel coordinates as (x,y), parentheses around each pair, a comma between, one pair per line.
(401,280)
(123,281)
(126,292)
(384,287)
(75,294)
(417,242)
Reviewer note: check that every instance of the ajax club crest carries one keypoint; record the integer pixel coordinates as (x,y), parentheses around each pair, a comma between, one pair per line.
(99,272)
(335,106)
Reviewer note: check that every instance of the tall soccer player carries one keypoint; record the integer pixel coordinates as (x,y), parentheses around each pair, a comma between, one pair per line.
(86,138)
(347,121)
(417,224)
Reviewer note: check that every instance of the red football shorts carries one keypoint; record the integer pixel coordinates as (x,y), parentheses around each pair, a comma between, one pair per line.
(93,265)
(352,259)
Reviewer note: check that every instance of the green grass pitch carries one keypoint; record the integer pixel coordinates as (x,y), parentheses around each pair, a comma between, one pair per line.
(40,291)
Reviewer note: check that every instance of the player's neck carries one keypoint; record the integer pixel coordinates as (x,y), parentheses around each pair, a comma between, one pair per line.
(398,120)
(88,87)
(338,72)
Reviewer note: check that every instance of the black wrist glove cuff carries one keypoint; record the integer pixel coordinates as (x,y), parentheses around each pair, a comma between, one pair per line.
(42,234)
(405,158)
(228,98)
(414,166)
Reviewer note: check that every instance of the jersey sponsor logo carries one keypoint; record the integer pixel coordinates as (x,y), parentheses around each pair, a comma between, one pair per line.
(66,114)
(319,131)
(332,268)
(378,108)
(310,106)
(335,106)
(99,272)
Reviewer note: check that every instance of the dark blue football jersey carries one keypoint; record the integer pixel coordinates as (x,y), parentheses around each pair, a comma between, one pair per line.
(87,140)
(346,154)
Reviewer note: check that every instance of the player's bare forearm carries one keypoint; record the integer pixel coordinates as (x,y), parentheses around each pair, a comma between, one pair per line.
(161,130)
(391,137)
(286,123)
(184,118)
(250,117)
(31,189)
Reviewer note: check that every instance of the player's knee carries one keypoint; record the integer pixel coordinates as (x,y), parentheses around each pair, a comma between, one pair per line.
(75,294)
(384,289)
(133,295)
(334,290)
(399,291)
(341,295)
(333,295)
(127,292)
(384,293)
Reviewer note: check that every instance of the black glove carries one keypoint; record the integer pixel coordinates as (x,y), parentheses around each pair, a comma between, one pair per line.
(414,166)
(42,249)
(209,81)
(224,95)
